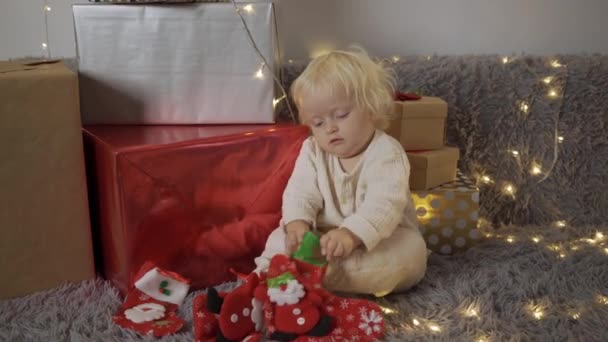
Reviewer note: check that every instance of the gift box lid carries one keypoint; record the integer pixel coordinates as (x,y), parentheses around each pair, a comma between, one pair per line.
(462,184)
(14,67)
(433,158)
(426,107)
(125,138)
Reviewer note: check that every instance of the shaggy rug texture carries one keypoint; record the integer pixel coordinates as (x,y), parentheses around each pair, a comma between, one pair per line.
(510,287)
(523,105)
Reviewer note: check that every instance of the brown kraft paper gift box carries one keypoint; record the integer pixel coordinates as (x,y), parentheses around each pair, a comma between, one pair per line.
(45,238)
(432,168)
(419,124)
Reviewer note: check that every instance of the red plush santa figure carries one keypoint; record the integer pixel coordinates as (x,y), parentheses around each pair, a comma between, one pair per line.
(150,307)
(292,309)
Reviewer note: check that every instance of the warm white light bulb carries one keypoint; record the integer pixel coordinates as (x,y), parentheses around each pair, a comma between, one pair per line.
(486,179)
(552,93)
(510,239)
(434,327)
(248,8)
(535,170)
(602,299)
(471,312)
(44,46)
(536,239)
(560,223)
(523,106)
(548,79)
(509,189)
(560,139)
(505,60)
(387,311)
(416,322)
(514,153)
(556,64)
(47,8)
(396,59)
(290,61)
(259,74)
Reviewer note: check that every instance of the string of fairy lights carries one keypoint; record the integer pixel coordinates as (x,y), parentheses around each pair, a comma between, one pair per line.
(46,47)
(537,309)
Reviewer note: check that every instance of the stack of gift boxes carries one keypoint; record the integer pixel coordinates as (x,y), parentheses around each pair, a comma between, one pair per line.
(446,201)
(185,165)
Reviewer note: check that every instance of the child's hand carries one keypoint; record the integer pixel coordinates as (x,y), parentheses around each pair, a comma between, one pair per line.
(339,243)
(295,231)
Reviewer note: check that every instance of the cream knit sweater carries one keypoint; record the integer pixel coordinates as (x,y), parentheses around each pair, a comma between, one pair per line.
(372,200)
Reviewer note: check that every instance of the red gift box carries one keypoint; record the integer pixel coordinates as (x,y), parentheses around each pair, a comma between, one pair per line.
(197,200)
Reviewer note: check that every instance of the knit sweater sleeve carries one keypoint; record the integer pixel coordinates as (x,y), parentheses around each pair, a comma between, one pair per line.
(302,199)
(385,198)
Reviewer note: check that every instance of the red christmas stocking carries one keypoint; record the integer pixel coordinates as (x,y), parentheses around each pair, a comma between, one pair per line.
(151,305)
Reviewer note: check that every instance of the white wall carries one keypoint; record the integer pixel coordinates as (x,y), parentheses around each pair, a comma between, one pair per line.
(384,27)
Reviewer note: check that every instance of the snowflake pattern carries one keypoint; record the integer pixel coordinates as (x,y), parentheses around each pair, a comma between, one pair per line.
(370,323)
(363,310)
(329,308)
(344,303)
(350,318)
(271,329)
(207,328)
(338,331)
(268,315)
(355,338)
(200,314)
(144,297)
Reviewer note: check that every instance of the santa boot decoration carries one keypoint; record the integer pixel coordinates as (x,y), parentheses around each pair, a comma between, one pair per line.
(151,305)
(229,316)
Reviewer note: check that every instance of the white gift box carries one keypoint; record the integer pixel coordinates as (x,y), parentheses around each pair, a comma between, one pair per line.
(175,64)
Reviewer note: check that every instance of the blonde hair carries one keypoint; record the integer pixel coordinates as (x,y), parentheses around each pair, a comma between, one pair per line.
(367,84)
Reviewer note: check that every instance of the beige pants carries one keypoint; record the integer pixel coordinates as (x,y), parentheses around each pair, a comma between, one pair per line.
(395,264)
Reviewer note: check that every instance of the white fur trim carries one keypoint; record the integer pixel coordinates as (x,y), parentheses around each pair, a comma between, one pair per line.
(150,284)
(145,312)
(291,295)
(257,314)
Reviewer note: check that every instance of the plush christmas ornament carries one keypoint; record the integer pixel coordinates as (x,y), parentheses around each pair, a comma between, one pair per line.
(292,310)
(229,316)
(151,305)
(300,276)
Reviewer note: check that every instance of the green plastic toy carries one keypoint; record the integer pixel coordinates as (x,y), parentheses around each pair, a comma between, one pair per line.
(310,250)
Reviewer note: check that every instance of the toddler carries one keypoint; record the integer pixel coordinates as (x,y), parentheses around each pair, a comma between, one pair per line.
(351,180)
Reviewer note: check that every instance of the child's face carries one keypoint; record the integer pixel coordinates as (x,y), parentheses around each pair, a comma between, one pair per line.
(336,125)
